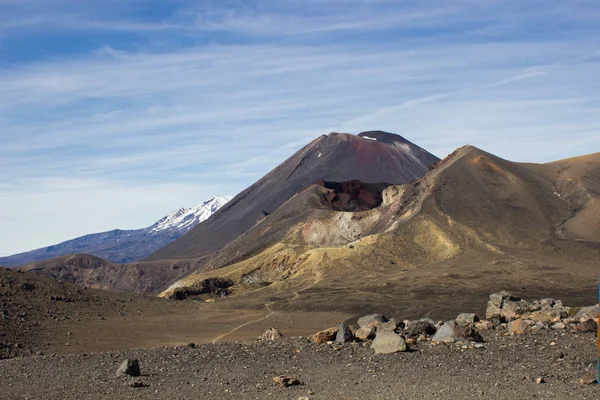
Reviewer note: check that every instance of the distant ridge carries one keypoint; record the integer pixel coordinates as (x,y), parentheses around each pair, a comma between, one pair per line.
(124,246)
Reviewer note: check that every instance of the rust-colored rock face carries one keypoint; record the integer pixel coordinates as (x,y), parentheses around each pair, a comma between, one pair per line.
(352,195)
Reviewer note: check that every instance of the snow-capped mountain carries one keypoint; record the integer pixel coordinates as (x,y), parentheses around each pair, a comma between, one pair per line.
(124,246)
(185,218)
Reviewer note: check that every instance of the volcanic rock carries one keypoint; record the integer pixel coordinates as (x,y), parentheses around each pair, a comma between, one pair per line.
(365,333)
(586,313)
(466,319)
(451,332)
(271,334)
(371,321)
(520,326)
(129,367)
(344,334)
(388,342)
(420,327)
(285,380)
(328,335)
(587,326)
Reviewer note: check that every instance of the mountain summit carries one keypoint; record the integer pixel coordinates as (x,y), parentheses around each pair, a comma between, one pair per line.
(126,245)
(370,157)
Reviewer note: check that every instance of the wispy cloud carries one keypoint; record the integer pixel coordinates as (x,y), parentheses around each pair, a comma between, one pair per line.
(134,108)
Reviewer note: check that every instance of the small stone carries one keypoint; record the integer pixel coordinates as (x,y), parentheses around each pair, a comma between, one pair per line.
(136,384)
(484,325)
(558,326)
(520,326)
(191,345)
(285,380)
(587,380)
(129,367)
(540,381)
(271,334)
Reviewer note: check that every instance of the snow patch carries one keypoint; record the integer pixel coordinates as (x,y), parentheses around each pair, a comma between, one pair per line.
(368,138)
(319,156)
(185,218)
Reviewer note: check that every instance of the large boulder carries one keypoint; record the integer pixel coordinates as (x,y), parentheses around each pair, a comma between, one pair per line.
(344,333)
(371,321)
(271,334)
(451,332)
(388,342)
(328,335)
(129,367)
(503,306)
(420,327)
(586,313)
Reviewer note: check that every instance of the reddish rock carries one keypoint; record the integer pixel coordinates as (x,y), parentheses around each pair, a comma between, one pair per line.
(365,334)
(328,335)
(587,326)
(520,326)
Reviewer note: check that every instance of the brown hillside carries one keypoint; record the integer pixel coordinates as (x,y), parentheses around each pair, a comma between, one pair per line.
(475,224)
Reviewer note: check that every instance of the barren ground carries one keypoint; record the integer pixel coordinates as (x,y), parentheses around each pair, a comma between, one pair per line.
(507,368)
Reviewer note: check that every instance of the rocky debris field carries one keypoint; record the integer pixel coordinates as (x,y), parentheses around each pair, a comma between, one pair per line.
(541,349)
(504,367)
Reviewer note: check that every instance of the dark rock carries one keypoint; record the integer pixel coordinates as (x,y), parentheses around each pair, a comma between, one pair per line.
(129,367)
(421,327)
(344,334)
(587,326)
(28,287)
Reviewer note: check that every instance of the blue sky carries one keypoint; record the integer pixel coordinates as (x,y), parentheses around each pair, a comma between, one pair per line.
(114,112)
